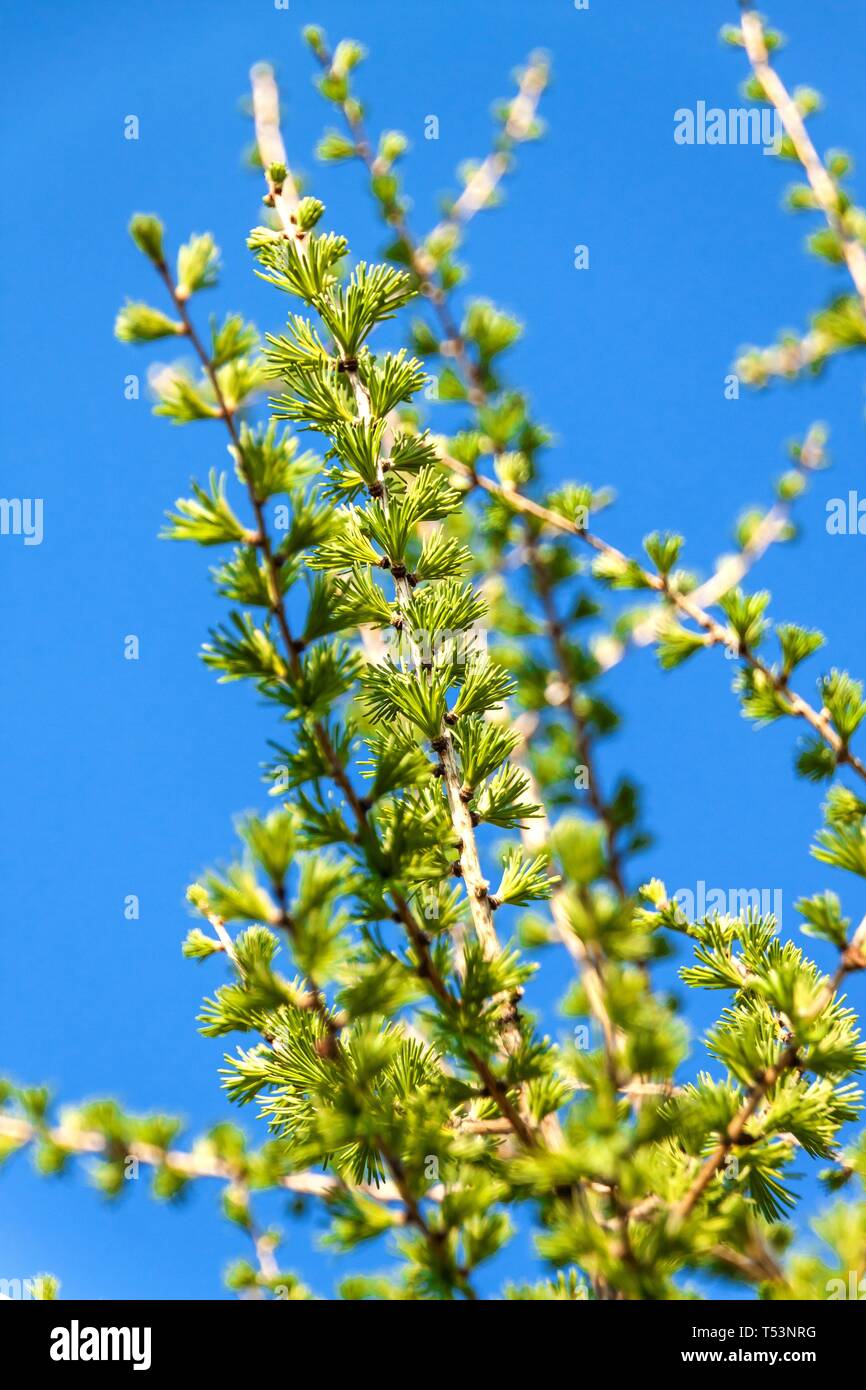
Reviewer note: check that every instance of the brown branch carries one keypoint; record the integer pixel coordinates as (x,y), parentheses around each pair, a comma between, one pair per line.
(435,1238)
(757,1265)
(476,885)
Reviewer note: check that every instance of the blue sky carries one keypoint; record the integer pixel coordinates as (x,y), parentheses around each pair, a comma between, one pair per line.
(124,777)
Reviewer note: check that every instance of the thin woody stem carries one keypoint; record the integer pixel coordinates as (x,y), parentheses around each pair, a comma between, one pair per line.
(262,540)
(531,88)
(717,634)
(521,117)
(855,256)
(523,112)
(763,1084)
(477,886)
(475,196)
(332,1024)
(603,813)
(311,999)
(435,1238)
(269,139)
(263,1244)
(822,185)
(468,862)
(403,912)
(734,1132)
(769,530)
(535,834)
(198,1164)
(330,1044)
(589,961)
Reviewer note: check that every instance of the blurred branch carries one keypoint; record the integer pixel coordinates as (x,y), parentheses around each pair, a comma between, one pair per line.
(821,183)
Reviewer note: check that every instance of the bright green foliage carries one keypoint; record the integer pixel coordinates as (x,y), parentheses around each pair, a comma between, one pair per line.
(841,325)
(433,649)
(139,323)
(197,264)
(147,233)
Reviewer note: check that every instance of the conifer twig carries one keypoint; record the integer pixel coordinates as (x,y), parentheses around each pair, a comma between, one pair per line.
(197,1164)
(263,91)
(521,118)
(735,1130)
(475,196)
(269,140)
(771,528)
(426,968)
(476,885)
(534,835)
(822,185)
(716,633)
(603,813)
(714,630)
(522,114)
(533,82)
